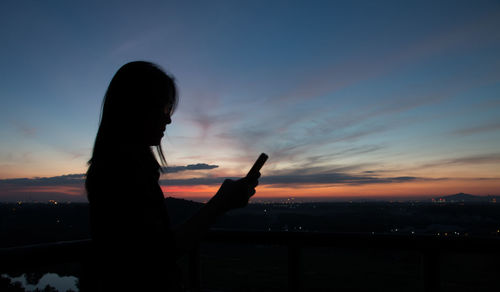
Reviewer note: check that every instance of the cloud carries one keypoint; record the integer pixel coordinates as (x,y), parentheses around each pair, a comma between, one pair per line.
(294,179)
(334,178)
(476,159)
(68,179)
(79,179)
(490,158)
(68,187)
(192,181)
(478,129)
(198,166)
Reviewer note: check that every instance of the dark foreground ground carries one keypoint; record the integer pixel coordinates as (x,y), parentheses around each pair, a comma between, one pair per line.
(250,267)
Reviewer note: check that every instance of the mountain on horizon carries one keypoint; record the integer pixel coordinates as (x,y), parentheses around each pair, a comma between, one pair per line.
(467,198)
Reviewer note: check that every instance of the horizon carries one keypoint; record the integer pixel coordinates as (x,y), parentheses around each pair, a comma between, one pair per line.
(67,199)
(349,100)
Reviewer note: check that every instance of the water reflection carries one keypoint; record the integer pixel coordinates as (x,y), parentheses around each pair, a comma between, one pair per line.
(65,283)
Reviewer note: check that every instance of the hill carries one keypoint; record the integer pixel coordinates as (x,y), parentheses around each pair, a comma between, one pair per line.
(467,198)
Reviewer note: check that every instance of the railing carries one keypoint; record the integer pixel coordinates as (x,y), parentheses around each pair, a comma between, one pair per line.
(32,256)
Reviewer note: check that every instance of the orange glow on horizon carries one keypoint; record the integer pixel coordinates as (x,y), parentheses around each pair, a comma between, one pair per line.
(68,190)
(403,189)
(334,191)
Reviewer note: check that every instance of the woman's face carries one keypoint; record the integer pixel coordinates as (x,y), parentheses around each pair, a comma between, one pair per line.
(155,124)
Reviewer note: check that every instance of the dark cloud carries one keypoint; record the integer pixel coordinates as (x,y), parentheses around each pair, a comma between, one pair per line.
(193,181)
(76,179)
(334,178)
(68,187)
(291,178)
(68,179)
(301,179)
(198,166)
(36,188)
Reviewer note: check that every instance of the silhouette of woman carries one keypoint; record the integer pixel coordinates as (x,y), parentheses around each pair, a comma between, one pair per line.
(134,248)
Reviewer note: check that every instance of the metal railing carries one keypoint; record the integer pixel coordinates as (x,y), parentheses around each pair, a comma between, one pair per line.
(32,256)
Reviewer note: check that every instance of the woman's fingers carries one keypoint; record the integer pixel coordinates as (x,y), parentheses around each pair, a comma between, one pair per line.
(236,194)
(253,184)
(250,192)
(254,181)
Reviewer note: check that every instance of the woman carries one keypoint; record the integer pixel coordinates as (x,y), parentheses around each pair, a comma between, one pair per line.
(134,246)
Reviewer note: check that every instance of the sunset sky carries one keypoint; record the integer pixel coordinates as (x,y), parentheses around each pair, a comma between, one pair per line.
(350,99)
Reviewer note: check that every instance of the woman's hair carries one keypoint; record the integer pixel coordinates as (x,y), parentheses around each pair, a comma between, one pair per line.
(137,89)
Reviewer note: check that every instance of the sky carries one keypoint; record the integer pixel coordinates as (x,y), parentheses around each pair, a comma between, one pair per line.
(350,99)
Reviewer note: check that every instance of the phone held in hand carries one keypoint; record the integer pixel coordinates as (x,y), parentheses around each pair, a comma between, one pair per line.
(257,165)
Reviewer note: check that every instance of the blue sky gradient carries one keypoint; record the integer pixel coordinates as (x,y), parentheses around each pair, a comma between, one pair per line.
(386,88)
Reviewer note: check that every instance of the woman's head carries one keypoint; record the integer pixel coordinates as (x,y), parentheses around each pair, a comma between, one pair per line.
(137,107)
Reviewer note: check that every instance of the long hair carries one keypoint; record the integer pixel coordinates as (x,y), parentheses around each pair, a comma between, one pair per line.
(137,89)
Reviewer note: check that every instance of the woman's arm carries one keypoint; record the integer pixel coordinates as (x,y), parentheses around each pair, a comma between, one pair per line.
(231,195)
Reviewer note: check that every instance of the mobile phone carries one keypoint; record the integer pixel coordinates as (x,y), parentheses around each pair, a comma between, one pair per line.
(257,165)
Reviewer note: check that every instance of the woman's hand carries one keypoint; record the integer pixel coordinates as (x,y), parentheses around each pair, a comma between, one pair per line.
(231,195)
(235,193)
